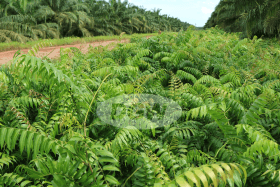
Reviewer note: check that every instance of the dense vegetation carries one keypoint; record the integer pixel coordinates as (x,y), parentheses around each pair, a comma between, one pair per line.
(25,20)
(252,17)
(227,135)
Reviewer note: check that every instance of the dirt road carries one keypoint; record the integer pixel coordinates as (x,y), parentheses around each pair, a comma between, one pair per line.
(6,56)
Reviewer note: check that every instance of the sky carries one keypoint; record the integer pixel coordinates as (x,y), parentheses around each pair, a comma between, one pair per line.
(195,12)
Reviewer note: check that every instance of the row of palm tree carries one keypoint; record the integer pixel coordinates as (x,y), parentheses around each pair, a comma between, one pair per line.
(24,20)
(252,17)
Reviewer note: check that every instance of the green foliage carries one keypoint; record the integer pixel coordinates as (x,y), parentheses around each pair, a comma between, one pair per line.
(26,20)
(228,133)
(259,17)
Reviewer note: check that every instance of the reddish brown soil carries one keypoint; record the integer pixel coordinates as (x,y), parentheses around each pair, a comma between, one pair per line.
(54,52)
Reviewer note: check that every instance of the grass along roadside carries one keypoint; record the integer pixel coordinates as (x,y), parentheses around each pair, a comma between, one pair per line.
(67,41)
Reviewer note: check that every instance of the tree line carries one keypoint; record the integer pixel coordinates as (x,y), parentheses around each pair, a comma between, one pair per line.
(251,17)
(25,20)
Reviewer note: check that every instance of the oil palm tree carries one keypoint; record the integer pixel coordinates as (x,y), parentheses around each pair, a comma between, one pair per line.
(23,20)
(260,17)
(18,23)
(70,15)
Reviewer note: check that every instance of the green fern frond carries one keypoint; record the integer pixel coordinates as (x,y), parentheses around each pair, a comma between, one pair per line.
(208,175)
(12,179)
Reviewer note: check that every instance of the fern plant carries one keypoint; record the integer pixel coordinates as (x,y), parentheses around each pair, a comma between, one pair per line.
(52,134)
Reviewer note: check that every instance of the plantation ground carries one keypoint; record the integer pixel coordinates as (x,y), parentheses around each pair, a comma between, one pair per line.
(68,41)
(54,52)
(228,134)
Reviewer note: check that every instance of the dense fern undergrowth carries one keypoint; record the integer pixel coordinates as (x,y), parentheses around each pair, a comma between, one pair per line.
(227,135)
